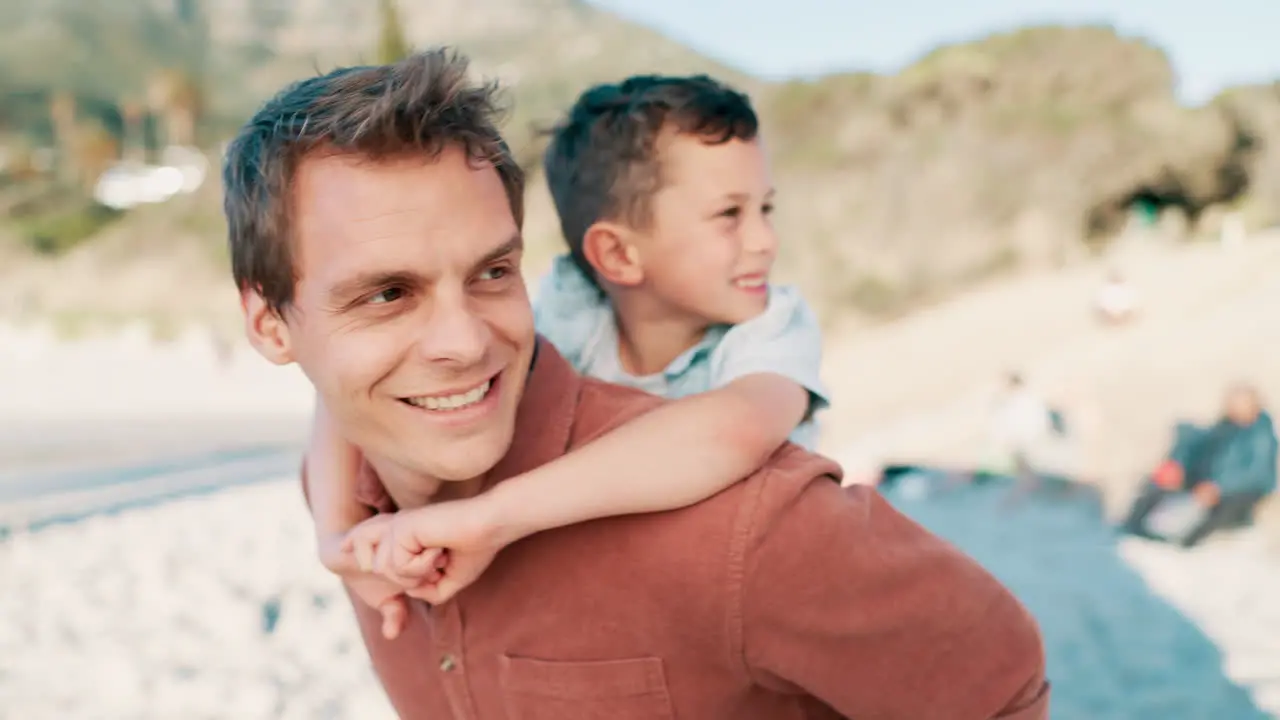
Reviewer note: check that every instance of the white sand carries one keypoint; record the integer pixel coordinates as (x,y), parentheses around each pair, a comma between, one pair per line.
(918,389)
(127,375)
(159,613)
(1229,589)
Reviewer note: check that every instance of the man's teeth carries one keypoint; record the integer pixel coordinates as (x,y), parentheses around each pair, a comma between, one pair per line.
(453,402)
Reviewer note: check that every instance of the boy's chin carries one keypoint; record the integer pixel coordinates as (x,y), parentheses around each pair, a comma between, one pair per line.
(742,311)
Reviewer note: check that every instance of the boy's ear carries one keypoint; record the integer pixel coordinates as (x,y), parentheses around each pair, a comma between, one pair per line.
(608,247)
(266,329)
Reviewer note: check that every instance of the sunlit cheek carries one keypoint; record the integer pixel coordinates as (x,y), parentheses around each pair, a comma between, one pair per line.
(357,360)
(509,313)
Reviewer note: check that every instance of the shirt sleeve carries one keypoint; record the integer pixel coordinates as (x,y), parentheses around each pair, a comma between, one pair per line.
(785,340)
(847,600)
(568,310)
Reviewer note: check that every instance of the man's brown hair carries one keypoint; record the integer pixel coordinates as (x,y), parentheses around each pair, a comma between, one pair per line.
(416,107)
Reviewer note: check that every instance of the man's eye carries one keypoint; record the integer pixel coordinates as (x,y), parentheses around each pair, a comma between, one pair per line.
(385,296)
(494,273)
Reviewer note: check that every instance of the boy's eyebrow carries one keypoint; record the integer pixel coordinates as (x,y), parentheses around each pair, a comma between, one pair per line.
(743,196)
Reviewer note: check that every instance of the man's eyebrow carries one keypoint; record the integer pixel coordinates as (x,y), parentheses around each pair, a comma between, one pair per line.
(514,243)
(353,287)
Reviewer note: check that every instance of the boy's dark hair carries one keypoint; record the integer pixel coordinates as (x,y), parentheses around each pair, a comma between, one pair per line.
(602,162)
(416,107)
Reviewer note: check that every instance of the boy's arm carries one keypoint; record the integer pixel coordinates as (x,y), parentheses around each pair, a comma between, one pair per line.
(333,468)
(675,455)
(765,378)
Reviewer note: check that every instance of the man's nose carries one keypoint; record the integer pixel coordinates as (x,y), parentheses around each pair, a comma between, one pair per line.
(454,334)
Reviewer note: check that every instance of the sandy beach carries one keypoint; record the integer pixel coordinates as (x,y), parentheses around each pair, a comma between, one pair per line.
(214,607)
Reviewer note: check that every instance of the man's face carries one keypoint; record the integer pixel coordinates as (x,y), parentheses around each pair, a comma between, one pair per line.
(711,244)
(411,317)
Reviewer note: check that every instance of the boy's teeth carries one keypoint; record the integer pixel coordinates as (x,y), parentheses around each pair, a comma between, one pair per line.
(752,283)
(453,402)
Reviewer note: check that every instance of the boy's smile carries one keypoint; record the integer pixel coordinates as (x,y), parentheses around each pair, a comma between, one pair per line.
(711,244)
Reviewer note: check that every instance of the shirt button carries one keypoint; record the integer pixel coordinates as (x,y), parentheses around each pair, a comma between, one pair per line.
(448,663)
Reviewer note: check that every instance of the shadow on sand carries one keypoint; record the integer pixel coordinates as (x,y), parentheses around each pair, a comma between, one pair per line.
(1116,650)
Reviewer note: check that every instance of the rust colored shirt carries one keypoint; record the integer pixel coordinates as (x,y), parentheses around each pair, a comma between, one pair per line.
(783,597)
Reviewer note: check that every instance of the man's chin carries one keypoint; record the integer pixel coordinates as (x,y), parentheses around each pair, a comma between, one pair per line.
(466,459)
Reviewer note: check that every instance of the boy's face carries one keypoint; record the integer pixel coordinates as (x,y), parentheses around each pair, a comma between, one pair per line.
(710,244)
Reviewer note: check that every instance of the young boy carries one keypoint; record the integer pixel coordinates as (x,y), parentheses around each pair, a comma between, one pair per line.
(664,195)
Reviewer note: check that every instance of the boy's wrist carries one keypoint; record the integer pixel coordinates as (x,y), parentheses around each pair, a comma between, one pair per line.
(504,517)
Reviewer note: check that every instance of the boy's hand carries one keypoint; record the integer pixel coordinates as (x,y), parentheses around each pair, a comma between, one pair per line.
(369,548)
(379,593)
(406,548)
(390,602)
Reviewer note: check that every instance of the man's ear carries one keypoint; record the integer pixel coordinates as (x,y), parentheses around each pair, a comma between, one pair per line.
(608,247)
(265,329)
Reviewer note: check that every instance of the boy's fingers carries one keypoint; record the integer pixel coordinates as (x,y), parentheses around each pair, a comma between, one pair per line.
(419,564)
(365,551)
(333,556)
(416,566)
(395,613)
(436,593)
(382,560)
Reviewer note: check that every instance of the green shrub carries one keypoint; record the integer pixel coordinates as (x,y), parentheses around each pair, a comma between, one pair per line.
(56,232)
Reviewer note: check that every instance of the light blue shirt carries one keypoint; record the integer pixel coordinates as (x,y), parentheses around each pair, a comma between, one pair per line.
(785,339)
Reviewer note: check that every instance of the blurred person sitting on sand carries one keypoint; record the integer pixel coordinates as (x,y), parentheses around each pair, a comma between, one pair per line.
(1021,425)
(1116,301)
(745,356)
(1227,468)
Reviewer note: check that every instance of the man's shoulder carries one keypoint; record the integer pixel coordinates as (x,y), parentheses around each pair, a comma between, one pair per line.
(788,483)
(603,406)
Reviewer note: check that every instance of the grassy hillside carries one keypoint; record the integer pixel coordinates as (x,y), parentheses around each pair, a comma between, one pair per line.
(1019,149)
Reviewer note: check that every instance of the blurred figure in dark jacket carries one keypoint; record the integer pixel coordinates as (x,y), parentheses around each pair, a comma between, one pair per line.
(1227,467)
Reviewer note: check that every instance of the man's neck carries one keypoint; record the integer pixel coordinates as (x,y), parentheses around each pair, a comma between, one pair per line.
(649,337)
(411,489)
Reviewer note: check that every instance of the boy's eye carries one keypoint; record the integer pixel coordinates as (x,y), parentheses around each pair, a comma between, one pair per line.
(767,209)
(382,297)
(732,213)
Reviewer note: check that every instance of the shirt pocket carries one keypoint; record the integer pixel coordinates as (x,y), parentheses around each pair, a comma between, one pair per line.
(629,689)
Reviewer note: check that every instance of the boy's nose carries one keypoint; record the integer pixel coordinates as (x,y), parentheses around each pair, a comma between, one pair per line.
(760,239)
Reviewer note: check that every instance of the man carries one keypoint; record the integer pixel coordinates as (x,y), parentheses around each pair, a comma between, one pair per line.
(1227,468)
(374,219)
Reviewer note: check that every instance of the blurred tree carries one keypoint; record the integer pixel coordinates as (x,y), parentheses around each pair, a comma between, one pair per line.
(392,45)
(174,96)
(95,149)
(133,143)
(62,116)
